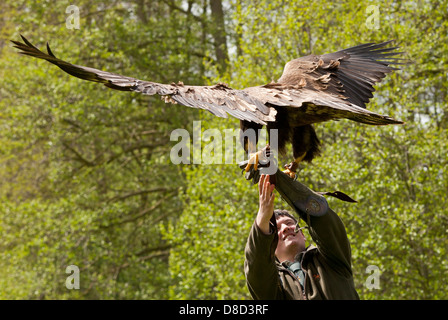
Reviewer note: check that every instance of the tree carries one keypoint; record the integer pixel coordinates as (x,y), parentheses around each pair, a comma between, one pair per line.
(85,170)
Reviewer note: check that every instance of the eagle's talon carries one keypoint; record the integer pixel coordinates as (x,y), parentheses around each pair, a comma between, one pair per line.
(291,174)
(253,160)
(291,168)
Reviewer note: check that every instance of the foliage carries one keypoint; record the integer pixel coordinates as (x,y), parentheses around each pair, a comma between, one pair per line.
(86,176)
(73,151)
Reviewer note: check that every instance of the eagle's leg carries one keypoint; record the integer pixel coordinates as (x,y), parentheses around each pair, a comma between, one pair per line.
(291,168)
(305,146)
(249,139)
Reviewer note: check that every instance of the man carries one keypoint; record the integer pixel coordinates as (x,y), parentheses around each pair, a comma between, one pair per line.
(279,266)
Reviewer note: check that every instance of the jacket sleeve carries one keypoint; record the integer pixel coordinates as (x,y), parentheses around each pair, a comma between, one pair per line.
(259,266)
(329,234)
(326,228)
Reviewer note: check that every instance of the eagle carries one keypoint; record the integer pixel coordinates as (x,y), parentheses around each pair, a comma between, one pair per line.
(312,89)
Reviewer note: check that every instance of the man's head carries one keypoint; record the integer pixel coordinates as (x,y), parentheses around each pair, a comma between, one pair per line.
(289,243)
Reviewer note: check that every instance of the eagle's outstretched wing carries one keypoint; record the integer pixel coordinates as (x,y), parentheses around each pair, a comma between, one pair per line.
(218,99)
(320,88)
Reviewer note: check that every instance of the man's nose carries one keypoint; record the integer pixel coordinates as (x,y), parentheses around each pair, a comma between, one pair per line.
(288,228)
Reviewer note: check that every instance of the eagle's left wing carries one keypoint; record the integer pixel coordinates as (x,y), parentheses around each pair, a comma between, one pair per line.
(314,106)
(351,73)
(333,85)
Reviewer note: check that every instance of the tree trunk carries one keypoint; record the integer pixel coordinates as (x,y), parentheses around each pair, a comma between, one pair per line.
(219,35)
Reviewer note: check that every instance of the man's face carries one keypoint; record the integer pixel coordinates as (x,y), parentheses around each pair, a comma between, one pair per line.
(289,242)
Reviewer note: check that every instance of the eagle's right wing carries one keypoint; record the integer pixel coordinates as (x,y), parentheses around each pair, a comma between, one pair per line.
(219,99)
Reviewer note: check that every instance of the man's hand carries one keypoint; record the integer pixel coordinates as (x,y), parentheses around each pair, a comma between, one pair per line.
(266,203)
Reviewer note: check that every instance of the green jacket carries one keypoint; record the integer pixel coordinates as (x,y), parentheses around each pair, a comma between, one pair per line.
(327,266)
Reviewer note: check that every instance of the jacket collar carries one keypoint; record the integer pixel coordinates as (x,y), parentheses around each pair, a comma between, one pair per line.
(285,264)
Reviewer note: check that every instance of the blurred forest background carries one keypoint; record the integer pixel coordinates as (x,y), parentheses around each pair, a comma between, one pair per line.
(85,171)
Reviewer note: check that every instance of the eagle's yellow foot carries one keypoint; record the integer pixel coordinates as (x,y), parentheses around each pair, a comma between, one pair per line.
(292,167)
(290,170)
(253,160)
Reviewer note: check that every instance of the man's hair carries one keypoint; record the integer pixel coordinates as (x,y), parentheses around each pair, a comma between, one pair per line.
(281,213)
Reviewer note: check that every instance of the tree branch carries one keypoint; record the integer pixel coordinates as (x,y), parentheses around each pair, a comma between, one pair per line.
(78,155)
(141,214)
(140,192)
(170,3)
